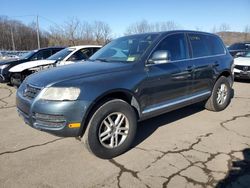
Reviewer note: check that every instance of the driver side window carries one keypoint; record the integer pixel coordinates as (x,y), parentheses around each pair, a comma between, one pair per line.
(77,56)
(175,45)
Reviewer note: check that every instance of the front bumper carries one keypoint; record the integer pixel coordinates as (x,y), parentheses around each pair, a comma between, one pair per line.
(4,76)
(55,117)
(241,74)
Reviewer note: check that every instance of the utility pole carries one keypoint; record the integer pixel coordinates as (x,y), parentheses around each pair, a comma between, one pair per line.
(12,39)
(37,33)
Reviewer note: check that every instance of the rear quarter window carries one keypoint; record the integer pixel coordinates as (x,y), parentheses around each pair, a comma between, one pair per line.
(215,45)
(205,45)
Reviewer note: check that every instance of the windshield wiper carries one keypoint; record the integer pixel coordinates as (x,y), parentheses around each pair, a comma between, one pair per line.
(101,59)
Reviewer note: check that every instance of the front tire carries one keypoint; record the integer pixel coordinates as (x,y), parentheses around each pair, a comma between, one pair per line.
(16,79)
(221,95)
(111,129)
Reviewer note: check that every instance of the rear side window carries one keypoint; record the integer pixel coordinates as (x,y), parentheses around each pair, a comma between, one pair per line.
(215,45)
(176,45)
(205,45)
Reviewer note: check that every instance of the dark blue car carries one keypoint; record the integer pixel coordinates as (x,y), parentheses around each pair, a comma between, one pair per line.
(130,79)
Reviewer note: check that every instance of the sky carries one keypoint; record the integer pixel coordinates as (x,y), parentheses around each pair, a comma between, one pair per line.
(187,14)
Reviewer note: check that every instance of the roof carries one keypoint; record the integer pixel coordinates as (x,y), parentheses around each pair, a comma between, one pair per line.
(174,31)
(52,47)
(85,46)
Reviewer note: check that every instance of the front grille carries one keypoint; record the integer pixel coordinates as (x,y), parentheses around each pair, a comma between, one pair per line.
(31,92)
(242,67)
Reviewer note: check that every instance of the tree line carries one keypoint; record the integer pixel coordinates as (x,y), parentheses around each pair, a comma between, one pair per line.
(14,35)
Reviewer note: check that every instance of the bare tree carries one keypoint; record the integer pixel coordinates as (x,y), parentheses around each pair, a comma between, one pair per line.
(102,32)
(144,26)
(16,35)
(224,27)
(87,33)
(246,32)
(139,27)
(71,29)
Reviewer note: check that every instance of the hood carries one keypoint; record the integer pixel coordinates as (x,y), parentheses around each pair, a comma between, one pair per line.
(30,64)
(74,71)
(242,61)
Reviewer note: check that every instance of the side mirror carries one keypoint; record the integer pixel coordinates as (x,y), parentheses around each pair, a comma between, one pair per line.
(159,57)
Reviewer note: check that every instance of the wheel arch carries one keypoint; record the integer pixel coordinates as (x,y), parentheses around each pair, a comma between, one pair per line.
(122,94)
(228,75)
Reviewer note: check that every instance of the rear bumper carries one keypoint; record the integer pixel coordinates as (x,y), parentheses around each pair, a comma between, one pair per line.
(55,117)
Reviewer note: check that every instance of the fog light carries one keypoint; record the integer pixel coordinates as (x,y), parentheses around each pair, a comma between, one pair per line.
(49,121)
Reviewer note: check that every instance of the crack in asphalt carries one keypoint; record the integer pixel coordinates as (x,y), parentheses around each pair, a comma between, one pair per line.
(135,173)
(124,169)
(3,101)
(222,124)
(32,146)
(178,151)
(211,180)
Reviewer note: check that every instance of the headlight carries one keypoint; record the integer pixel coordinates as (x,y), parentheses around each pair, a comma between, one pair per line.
(61,94)
(3,66)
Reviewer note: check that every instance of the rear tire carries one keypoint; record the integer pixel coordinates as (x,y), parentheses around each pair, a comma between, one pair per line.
(221,95)
(111,129)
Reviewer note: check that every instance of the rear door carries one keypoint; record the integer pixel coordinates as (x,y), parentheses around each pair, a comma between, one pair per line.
(206,52)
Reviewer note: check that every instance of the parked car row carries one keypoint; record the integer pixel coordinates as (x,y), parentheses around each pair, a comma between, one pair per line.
(16,70)
(4,55)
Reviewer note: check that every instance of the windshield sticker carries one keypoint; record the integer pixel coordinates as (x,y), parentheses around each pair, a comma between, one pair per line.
(131,59)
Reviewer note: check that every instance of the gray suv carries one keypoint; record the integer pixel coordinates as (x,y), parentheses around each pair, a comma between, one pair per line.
(130,79)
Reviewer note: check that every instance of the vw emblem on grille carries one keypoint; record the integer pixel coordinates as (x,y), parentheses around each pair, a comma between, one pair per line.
(245,68)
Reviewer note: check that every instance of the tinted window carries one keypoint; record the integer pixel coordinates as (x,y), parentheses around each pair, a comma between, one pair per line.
(199,45)
(95,50)
(43,54)
(77,56)
(56,50)
(61,54)
(215,45)
(87,52)
(205,45)
(237,46)
(46,54)
(175,45)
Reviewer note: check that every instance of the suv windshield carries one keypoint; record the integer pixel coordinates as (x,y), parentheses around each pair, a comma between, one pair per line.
(28,54)
(61,54)
(125,49)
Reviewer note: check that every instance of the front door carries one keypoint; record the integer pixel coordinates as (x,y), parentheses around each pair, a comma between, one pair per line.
(169,82)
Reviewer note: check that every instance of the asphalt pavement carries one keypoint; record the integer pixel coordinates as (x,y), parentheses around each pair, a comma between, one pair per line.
(189,147)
